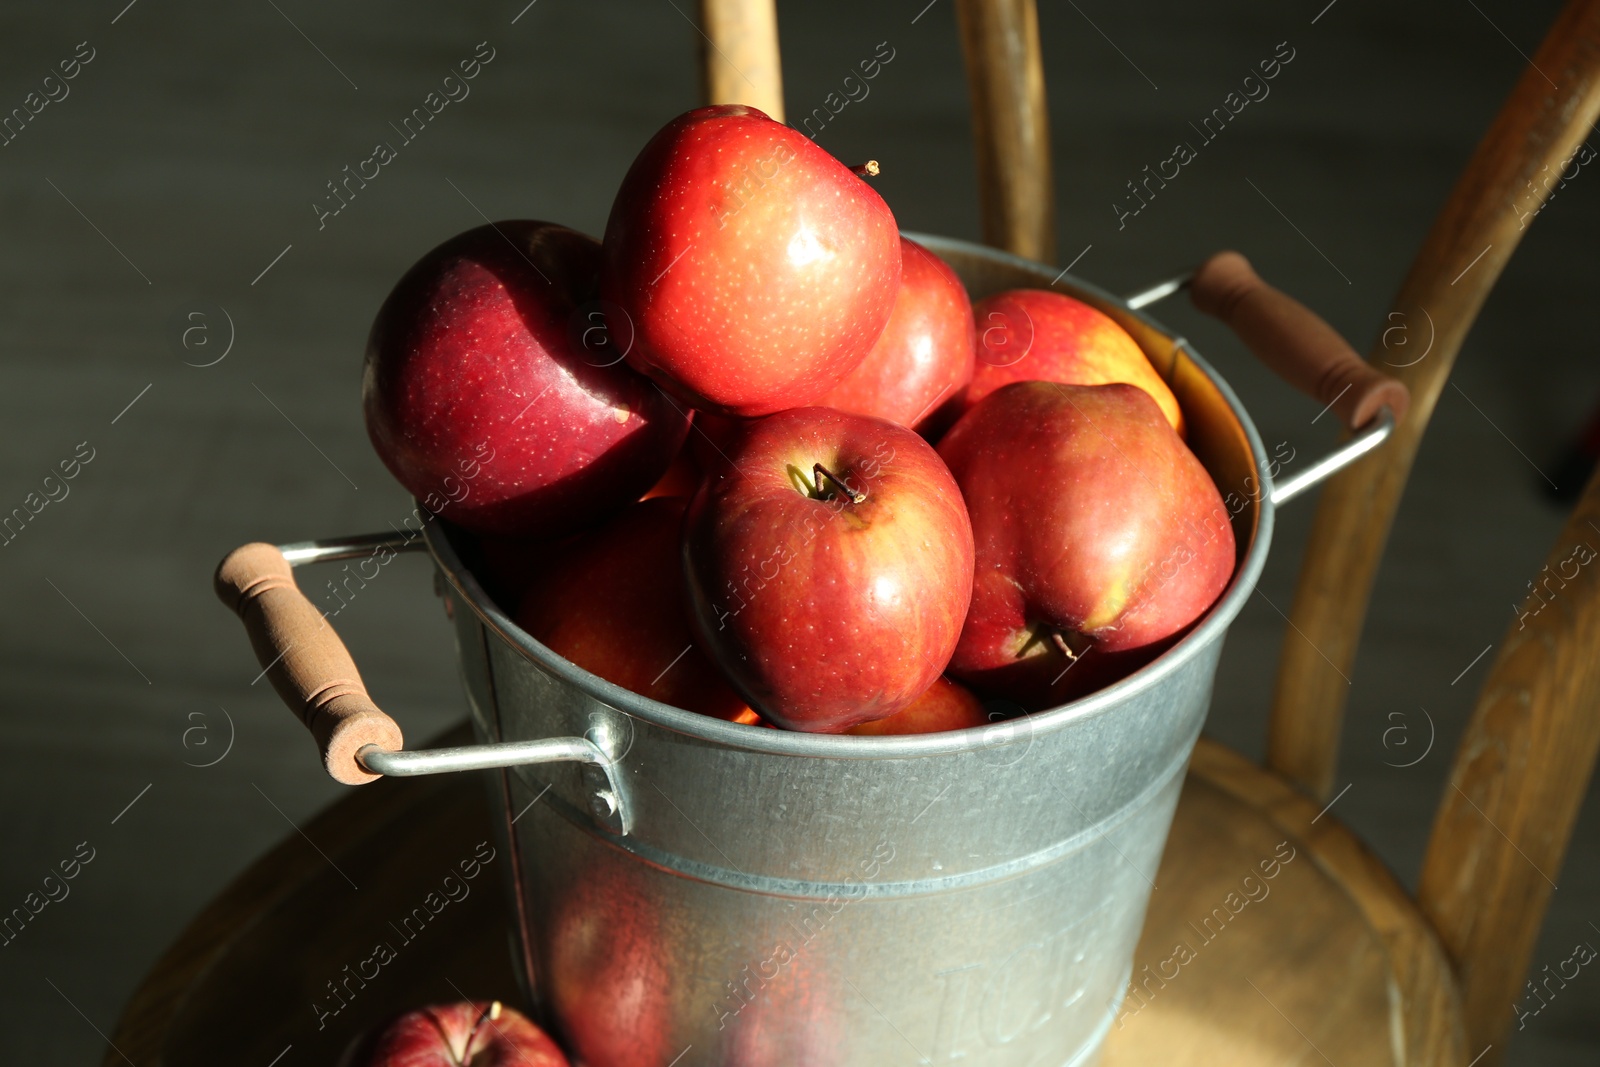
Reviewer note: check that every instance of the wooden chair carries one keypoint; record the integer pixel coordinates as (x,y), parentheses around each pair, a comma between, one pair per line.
(1328,957)
(1353,967)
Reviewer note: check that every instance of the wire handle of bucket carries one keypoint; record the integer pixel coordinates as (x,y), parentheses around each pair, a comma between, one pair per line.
(1302,348)
(313,672)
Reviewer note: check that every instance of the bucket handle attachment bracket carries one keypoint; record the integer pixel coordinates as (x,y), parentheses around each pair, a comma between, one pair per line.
(602,778)
(313,672)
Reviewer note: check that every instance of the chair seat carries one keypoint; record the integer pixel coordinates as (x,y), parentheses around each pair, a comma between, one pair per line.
(1341,962)
(1275,937)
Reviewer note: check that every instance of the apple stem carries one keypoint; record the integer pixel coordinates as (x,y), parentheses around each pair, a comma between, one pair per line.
(820,472)
(1060,640)
(490,1014)
(869,169)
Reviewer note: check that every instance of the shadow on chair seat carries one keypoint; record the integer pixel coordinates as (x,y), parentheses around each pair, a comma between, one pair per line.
(1274,936)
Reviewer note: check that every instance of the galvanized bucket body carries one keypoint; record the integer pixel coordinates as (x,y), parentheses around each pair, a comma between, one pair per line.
(737,895)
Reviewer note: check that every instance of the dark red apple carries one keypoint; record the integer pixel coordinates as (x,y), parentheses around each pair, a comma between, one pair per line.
(682,477)
(496,400)
(476,1034)
(916,372)
(506,566)
(829,568)
(945,706)
(611,601)
(708,440)
(1099,536)
(800,1017)
(754,269)
(1028,335)
(608,970)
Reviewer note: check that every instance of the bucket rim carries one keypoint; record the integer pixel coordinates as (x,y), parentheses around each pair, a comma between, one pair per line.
(1020,730)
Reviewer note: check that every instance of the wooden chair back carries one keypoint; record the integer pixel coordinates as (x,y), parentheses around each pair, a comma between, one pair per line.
(1522,768)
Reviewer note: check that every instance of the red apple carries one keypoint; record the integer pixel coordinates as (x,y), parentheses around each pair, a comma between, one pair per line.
(1037,335)
(749,717)
(682,477)
(1099,536)
(945,706)
(755,270)
(829,569)
(494,398)
(474,1034)
(612,602)
(914,375)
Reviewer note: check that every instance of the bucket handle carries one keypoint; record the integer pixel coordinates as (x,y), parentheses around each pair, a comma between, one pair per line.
(1303,349)
(312,671)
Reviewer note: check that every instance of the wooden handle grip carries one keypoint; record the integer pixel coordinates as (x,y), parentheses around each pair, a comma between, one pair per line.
(306,661)
(1294,341)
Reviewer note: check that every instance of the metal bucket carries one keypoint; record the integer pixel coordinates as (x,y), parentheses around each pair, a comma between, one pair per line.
(693,891)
